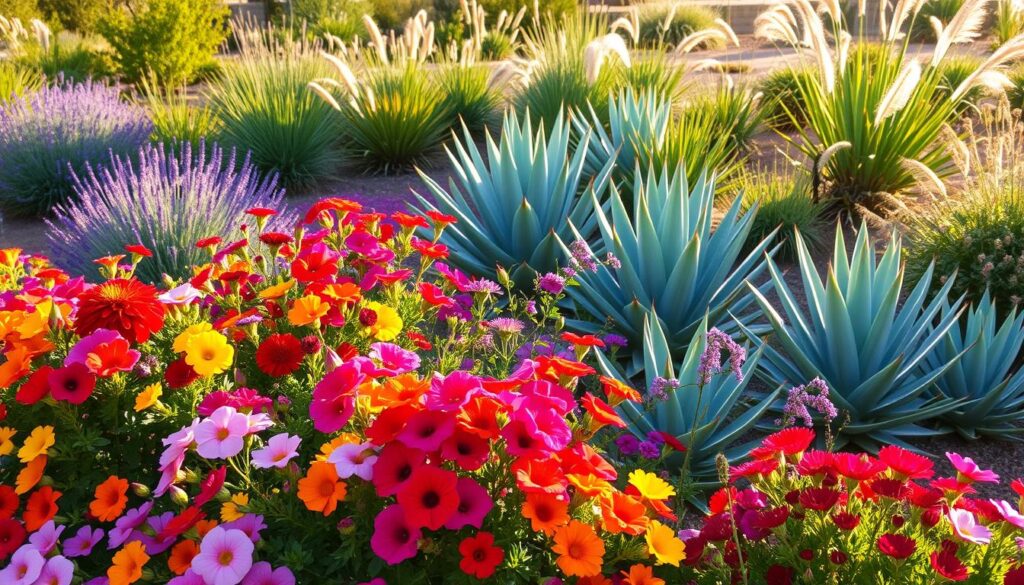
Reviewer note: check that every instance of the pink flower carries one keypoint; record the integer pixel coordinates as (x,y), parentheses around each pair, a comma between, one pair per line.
(57,571)
(86,345)
(354,459)
(453,391)
(45,539)
(82,543)
(375,581)
(394,540)
(1009,513)
(180,295)
(263,574)
(334,398)
(393,359)
(427,429)
(279,451)
(25,567)
(225,557)
(474,504)
(221,435)
(173,457)
(967,528)
(968,471)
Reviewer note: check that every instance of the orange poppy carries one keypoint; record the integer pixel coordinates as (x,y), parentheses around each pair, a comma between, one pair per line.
(397,391)
(30,475)
(16,367)
(41,508)
(277,291)
(321,489)
(345,292)
(641,575)
(580,551)
(546,512)
(601,414)
(480,417)
(204,526)
(111,496)
(308,310)
(181,556)
(128,563)
(617,391)
(621,513)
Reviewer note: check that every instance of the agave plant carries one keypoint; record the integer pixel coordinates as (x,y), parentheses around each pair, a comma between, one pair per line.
(856,335)
(635,118)
(672,261)
(984,376)
(709,419)
(513,208)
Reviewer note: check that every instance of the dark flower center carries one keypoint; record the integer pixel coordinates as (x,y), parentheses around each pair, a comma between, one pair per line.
(431,500)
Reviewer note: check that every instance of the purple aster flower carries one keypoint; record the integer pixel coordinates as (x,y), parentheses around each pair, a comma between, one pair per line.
(482,285)
(127,524)
(615,340)
(649,450)
(551,283)
(531,307)
(582,257)
(262,573)
(506,325)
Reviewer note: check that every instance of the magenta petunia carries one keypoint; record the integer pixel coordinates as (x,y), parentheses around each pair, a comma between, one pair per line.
(394,539)
(474,504)
(82,543)
(262,573)
(427,429)
(393,360)
(968,471)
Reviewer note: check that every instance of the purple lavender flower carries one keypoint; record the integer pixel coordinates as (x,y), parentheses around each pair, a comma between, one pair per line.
(49,135)
(163,201)
(551,283)
(711,359)
(482,285)
(660,388)
(582,257)
(627,444)
(615,340)
(801,400)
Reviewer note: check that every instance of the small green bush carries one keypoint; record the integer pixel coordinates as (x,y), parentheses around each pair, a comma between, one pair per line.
(15,80)
(20,9)
(339,18)
(784,203)
(392,14)
(496,46)
(81,16)
(654,71)
(735,110)
(70,57)
(953,72)
(175,120)
(671,22)
(1015,93)
(780,99)
(468,96)
(169,39)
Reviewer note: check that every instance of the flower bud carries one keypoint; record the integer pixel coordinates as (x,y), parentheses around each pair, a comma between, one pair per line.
(178,495)
(140,490)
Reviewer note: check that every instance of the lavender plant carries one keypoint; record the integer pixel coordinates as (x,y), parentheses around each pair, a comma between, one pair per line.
(166,202)
(48,135)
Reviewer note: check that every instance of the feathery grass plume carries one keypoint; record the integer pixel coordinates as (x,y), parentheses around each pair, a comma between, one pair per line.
(599,50)
(1008,21)
(899,93)
(164,201)
(925,176)
(992,66)
(262,104)
(964,27)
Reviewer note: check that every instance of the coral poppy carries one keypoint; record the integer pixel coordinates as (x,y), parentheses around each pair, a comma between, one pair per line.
(622,513)
(664,545)
(580,551)
(430,497)
(110,498)
(394,538)
(546,512)
(480,558)
(279,355)
(73,383)
(181,556)
(321,489)
(124,305)
(641,575)
(308,311)
(896,546)
(128,563)
(601,413)
(40,508)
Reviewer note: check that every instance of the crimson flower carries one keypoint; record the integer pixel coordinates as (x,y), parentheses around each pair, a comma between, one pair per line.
(430,497)
(179,374)
(819,498)
(778,575)
(858,467)
(582,340)
(36,387)
(791,441)
(906,464)
(12,534)
(124,305)
(946,563)
(479,555)
(279,355)
(73,383)
(138,250)
(845,520)
(896,546)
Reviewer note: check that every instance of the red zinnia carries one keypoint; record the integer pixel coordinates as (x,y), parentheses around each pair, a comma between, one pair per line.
(947,564)
(582,340)
(818,498)
(896,546)
(906,464)
(124,305)
(846,521)
(12,534)
(857,467)
(279,355)
(479,555)
(73,383)
(179,374)
(429,498)
(276,238)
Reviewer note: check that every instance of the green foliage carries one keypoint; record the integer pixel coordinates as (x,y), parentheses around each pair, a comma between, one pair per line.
(1008,22)
(954,71)
(468,96)
(709,419)
(558,9)
(652,70)
(175,119)
(671,22)
(985,377)
(15,80)
(70,57)
(865,337)
(496,46)
(514,201)
(1015,93)
(671,260)
(340,18)
(734,110)
(784,205)
(168,39)
(781,102)
(392,14)
(81,16)
(263,105)
(943,10)
(23,10)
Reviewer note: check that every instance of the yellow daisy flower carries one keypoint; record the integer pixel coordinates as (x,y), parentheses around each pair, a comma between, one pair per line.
(148,397)
(387,324)
(229,511)
(181,341)
(663,543)
(209,353)
(650,485)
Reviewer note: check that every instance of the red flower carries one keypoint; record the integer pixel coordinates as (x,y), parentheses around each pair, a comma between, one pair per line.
(1017,486)
(890,488)
(582,340)
(36,387)
(138,250)
(275,239)
(211,484)
(260,212)
(896,546)
(12,534)
(791,441)
(778,575)
(73,383)
(838,557)
(179,524)
(279,355)
(419,340)
(9,501)
(719,501)
(771,517)
(819,498)
(315,264)
(429,249)
(440,219)
(479,555)
(40,508)
(845,520)
(671,441)
(857,467)
(179,374)
(946,563)
(466,449)
(816,463)
(906,464)
(126,306)
(533,475)
(409,221)
(1014,576)
(208,242)
(107,359)
(601,412)
(395,465)
(330,204)
(433,295)
(429,498)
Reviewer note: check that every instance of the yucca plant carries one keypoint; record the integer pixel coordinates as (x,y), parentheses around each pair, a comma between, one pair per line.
(514,204)
(736,110)
(263,105)
(708,419)
(862,338)
(781,103)
(875,117)
(987,378)
(672,260)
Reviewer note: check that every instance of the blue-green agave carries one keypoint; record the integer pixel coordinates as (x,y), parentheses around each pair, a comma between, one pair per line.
(984,376)
(673,260)
(857,336)
(636,119)
(709,420)
(513,207)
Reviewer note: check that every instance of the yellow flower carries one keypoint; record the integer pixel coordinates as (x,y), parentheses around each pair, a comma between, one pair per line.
(277,291)
(307,310)
(650,485)
(663,543)
(6,444)
(38,443)
(181,341)
(387,324)
(209,353)
(9,256)
(229,511)
(148,397)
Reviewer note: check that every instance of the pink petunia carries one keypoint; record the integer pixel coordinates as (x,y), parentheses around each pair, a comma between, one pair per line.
(173,457)
(393,360)
(279,451)
(969,472)
(225,557)
(1009,513)
(427,429)
(57,571)
(222,434)
(82,543)
(262,573)
(25,567)
(355,459)
(394,540)
(79,353)
(967,527)
(474,504)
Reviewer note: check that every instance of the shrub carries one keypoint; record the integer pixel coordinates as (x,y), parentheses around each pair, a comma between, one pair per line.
(48,134)
(557,9)
(734,110)
(496,46)
(943,10)
(69,57)
(175,119)
(168,39)
(781,102)
(669,23)
(654,70)
(336,17)
(953,72)
(23,10)
(82,16)
(163,201)
(16,80)
(468,97)
(262,105)
(1015,93)
(785,207)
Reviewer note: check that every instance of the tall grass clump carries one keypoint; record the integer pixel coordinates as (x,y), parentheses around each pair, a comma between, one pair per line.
(15,81)
(942,10)
(468,95)
(1008,21)
(671,22)
(162,200)
(175,119)
(48,134)
(781,103)
(784,207)
(262,105)
(875,117)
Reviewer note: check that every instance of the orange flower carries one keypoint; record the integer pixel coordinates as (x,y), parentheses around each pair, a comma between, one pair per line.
(308,310)
(589,485)
(111,497)
(321,489)
(181,556)
(623,513)
(16,367)
(617,391)
(396,391)
(41,508)
(580,551)
(128,563)
(30,475)
(277,291)
(346,292)
(204,526)
(641,575)
(546,512)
